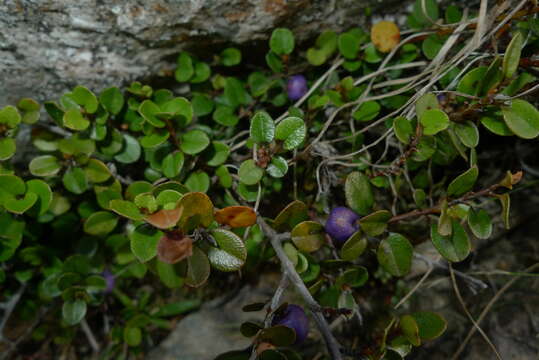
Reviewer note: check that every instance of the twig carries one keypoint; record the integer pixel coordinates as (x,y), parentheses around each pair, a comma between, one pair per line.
(9,307)
(473,281)
(463,304)
(414,289)
(275,239)
(487,309)
(90,336)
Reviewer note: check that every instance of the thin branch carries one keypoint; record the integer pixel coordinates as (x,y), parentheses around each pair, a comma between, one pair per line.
(487,309)
(275,239)
(90,336)
(9,308)
(463,304)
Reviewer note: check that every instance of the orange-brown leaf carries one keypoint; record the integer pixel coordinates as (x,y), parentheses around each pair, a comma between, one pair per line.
(385,35)
(171,251)
(164,219)
(236,216)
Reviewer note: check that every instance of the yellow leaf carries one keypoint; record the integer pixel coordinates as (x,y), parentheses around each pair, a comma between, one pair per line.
(385,35)
(236,216)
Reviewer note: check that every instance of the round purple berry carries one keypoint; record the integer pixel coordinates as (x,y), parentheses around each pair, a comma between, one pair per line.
(293,317)
(297,87)
(110,280)
(341,224)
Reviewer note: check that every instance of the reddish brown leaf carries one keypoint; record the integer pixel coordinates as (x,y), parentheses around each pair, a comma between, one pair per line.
(164,219)
(171,250)
(236,216)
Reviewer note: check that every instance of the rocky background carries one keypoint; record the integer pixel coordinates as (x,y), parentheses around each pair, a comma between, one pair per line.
(49,46)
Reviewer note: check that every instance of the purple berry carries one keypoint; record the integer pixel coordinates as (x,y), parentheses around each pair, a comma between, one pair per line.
(297,87)
(110,279)
(341,224)
(293,317)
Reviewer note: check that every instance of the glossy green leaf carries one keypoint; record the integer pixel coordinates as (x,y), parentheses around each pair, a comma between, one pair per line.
(197,209)
(130,152)
(367,111)
(430,324)
(112,100)
(403,129)
(291,131)
(86,98)
(149,110)
(173,164)
(100,223)
(18,205)
(290,216)
(231,254)
(74,120)
(454,247)
(348,45)
(410,329)
(7,148)
(496,126)
(463,183)
(9,115)
(235,92)
(198,181)
(198,268)
(467,133)
(426,102)
(480,223)
(511,57)
(358,192)
(96,171)
(354,247)
(278,167)
(44,195)
(185,69)
(143,242)
(230,57)
(395,254)
(73,311)
(522,118)
(75,180)
(308,236)
(126,209)
(262,128)
(218,153)
(375,224)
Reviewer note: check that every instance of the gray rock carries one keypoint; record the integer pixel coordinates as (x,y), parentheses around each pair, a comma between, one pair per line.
(49,46)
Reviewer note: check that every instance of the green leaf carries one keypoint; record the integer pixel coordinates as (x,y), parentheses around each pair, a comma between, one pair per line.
(96,171)
(278,167)
(308,236)
(30,110)
(154,139)
(469,84)
(358,192)
(169,275)
(505,200)
(455,247)
(282,41)
(434,121)
(522,118)
(348,45)
(198,181)
(467,133)
(172,164)
(185,69)
(464,182)
(10,116)
(202,104)
(511,58)
(149,110)
(100,223)
(290,216)
(395,254)
(218,153)
(262,128)
(367,111)
(73,311)
(480,223)
(202,72)
(75,181)
(86,98)
(431,46)
(225,116)
(274,62)
(431,11)
(354,247)
(130,152)
(430,325)
(126,209)
(179,107)
(225,179)
(178,308)
(112,100)
(44,195)
(496,126)
(231,254)
(426,102)
(279,335)
(375,224)
(410,329)
(194,141)
(143,242)
(74,120)
(403,129)
(198,268)
(7,148)
(132,335)
(230,57)
(292,131)
(197,209)
(250,173)
(235,92)
(19,206)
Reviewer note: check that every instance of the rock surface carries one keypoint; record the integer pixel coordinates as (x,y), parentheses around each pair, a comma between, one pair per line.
(48,46)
